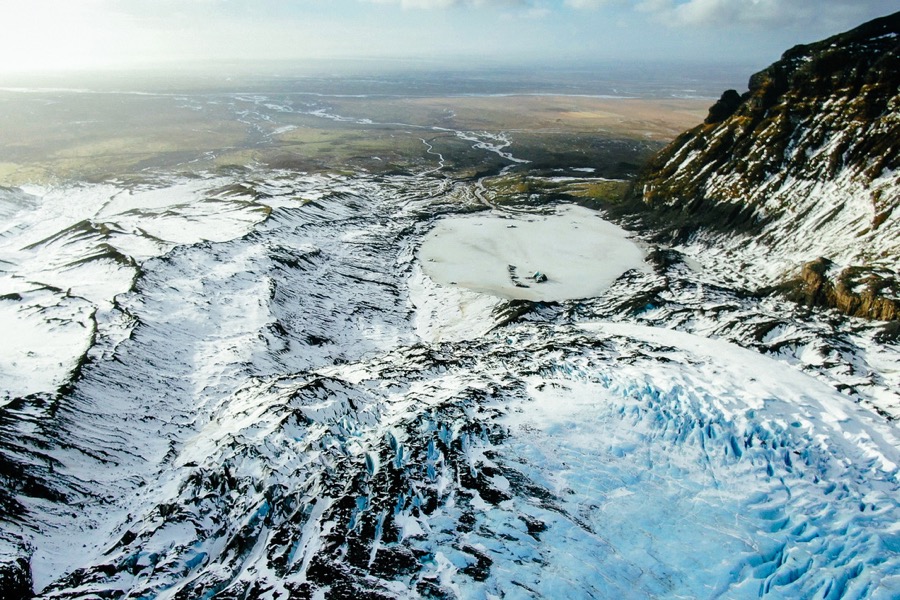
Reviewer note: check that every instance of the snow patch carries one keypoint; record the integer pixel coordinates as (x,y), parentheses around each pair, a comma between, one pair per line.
(498,254)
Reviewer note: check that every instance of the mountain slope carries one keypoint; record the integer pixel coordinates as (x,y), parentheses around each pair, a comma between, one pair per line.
(802,166)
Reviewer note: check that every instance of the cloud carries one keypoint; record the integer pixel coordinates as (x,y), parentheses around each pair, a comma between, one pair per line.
(420,3)
(588,4)
(71,34)
(449,3)
(756,12)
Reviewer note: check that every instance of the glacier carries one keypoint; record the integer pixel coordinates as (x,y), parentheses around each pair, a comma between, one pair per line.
(248,386)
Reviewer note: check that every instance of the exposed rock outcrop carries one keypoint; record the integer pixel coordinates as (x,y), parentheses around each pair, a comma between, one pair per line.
(805,164)
(856,291)
(15,579)
(724,108)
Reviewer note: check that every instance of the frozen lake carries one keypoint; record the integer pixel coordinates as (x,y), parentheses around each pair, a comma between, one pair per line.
(499,253)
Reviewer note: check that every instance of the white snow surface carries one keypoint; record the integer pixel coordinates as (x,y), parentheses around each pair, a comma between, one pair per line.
(69,251)
(284,402)
(499,253)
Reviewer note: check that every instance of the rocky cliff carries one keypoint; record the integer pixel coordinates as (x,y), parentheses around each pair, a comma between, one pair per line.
(802,167)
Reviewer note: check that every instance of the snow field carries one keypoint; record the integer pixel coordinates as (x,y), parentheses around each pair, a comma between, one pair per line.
(497,254)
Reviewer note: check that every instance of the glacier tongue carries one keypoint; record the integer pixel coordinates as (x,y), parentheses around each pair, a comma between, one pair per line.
(292,408)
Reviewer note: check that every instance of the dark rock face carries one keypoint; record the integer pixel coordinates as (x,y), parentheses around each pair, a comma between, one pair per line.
(15,580)
(808,155)
(724,108)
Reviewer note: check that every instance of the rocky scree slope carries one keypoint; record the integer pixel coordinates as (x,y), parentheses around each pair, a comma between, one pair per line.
(802,167)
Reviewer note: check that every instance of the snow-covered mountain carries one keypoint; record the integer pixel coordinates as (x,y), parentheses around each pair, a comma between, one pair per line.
(805,165)
(280,413)
(247,385)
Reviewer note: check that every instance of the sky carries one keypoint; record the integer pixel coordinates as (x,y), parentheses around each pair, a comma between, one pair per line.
(59,35)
